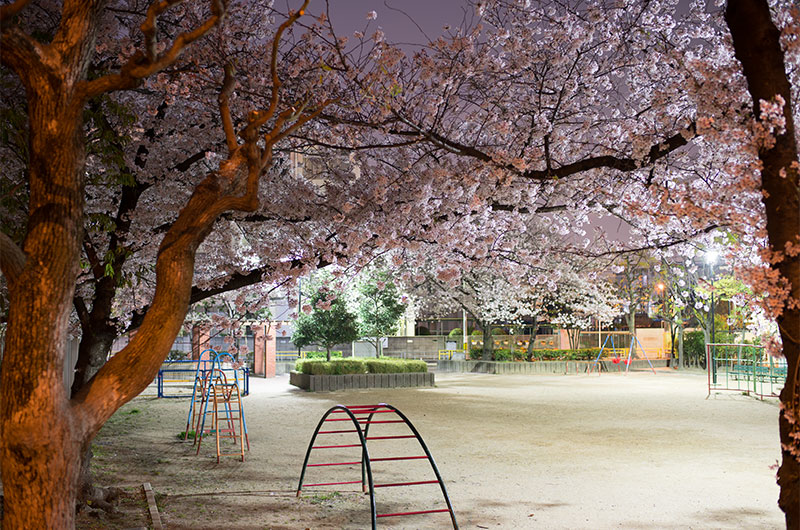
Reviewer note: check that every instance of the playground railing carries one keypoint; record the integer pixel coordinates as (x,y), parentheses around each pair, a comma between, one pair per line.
(180,375)
(744,368)
(448,354)
(652,353)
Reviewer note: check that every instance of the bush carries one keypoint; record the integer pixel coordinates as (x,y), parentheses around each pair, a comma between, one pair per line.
(502,354)
(498,331)
(334,367)
(383,365)
(455,333)
(477,332)
(582,354)
(388,365)
(694,345)
(475,354)
(520,354)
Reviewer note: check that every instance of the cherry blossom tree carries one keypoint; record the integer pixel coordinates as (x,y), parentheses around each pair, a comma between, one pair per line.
(581,301)
(40,480)
(681,122)
(554,113)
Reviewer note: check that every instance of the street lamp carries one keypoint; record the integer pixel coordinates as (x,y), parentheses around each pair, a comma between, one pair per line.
(660,290)
(711,259)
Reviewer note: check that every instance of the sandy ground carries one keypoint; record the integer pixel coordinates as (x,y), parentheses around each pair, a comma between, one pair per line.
(614,451)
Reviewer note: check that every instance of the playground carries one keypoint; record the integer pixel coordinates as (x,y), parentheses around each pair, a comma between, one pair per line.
(640,450)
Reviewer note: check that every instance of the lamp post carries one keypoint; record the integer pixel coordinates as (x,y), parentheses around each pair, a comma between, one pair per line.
(711,260)
(660,290)
(299,308)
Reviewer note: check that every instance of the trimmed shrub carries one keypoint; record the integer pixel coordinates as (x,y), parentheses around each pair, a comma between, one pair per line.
(477,332)
(383,365)
(583,354)
(334,367)
(388,365)
(455,333)
(498,331)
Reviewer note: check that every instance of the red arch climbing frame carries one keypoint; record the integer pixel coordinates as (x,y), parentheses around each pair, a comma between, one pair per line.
(361,418)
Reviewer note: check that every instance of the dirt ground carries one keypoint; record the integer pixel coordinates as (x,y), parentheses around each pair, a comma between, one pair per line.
(610,451)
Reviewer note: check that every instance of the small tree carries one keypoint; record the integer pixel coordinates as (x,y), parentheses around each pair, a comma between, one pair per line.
(378,307)
(325,322)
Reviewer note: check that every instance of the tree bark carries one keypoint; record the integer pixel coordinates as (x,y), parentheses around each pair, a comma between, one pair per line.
(42,440)
(756,43)
(532,341)
(488,342)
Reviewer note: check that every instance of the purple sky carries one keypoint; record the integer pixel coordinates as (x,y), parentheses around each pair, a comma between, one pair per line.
(430,15)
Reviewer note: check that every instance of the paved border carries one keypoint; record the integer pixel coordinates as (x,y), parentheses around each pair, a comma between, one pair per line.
(152,507)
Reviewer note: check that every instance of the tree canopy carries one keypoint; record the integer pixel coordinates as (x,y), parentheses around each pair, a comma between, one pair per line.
(325,321)
(156,155)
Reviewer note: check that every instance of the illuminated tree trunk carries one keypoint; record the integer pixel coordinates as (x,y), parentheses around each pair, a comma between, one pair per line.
(756,42)
(42,439)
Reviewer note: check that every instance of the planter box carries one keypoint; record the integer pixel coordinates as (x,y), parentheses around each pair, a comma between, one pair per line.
(541,367)
(331,383)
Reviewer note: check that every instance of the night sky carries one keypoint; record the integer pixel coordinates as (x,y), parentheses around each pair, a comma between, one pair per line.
(430,15)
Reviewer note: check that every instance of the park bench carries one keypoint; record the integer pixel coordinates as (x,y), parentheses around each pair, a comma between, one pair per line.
(774,374)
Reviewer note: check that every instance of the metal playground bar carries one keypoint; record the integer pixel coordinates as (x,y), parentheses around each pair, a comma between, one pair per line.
(357,419)
(744,368)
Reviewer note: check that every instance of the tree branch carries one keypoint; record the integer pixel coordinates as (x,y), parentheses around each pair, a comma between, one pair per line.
(228,84)
(142,65)
(12,258)
(9,11)
(21,53)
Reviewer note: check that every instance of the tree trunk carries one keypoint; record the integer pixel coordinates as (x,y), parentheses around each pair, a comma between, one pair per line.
(93,351)
(42,439)
(488,342)
(756,43)
(680,346)
(630,319)
(532,340)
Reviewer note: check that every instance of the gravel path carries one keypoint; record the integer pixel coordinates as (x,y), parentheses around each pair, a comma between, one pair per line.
(614,451)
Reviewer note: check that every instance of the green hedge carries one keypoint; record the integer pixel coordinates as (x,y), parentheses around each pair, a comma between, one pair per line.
(334,367)
(387,365)
(383,365)
(583,354)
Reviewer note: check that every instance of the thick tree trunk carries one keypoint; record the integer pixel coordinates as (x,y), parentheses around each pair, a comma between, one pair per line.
(756,43)
(42,439)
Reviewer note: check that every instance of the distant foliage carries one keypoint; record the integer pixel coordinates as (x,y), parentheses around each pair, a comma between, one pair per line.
(327,323)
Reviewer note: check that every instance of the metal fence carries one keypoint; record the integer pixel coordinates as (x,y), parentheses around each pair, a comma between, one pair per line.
(744,368)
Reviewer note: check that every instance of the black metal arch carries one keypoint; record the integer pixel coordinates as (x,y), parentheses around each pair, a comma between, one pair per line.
(366,413)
